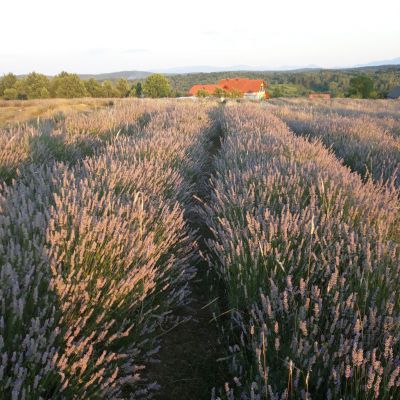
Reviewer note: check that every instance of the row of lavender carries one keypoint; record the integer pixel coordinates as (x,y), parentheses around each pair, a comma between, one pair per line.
(95,255)
(365,134)
(308,255)
(69,138)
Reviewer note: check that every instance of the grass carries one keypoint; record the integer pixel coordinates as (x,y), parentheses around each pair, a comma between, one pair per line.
(12,112)
(287,90)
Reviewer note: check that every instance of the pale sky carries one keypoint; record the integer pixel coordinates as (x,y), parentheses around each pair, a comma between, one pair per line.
(93,36)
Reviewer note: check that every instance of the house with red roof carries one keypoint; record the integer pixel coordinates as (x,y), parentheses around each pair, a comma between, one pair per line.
(210,89)
(255,89)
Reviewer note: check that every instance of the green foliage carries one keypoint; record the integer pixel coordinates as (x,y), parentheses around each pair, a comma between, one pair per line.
(156,85)
(234,94)
(123,88)
(280,84)
(361,86)
(20,87)
(7,82)
(222,93)
(133,93)
(138,89)
(299,83)
(276,91)
(68,86)
(33,86)
(219,92)
(336,90)
(202,93)
(44,93)
(94,88)
(287,90)
(10,94)
(109,90)
(36,85)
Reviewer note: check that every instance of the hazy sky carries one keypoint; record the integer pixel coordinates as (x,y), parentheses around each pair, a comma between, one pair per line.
(101,36)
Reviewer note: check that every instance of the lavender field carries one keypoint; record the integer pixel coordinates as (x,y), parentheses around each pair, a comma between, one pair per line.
(176,249)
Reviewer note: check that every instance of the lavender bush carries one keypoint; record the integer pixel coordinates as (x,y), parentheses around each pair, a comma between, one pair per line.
(95,257)
(367,141)
(97,253)
(309,258)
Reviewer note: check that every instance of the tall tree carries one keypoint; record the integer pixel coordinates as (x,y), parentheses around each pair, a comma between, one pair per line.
(94,88)
(36,85)
(138,90)
(109,90)
(67,85)
(7,82)
(202,93)
(361,86)
(20,87)
(156,85)
(123,88)
(10,94)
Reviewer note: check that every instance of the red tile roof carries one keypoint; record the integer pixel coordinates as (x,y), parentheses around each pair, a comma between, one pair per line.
(243,85)
(208,88)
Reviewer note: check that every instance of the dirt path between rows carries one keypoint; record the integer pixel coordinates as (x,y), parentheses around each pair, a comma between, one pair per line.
(188,367)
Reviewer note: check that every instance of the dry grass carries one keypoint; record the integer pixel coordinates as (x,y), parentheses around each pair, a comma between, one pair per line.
(18,111)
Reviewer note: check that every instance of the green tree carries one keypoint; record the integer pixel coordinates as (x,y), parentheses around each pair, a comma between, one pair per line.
(109,90)
(156,85)
(66,85)
(202,93)
(35,84)
(219,92)
(276,91)
(94,88)
(138,89)
(44,93)
(123,88)
(335,90)
(21,88)
(7,82)
(235,94)
(133,93)
(10,94)
(361,86)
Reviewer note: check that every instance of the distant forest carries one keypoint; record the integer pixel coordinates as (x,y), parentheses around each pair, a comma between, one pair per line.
(301,82)
(367,82)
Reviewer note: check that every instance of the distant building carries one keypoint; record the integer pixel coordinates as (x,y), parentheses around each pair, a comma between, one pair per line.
(210,89)
(325,95)
(394,93)
(255,89)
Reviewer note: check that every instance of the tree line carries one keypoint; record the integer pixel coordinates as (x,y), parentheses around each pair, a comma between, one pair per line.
(372,82)
(66,85)
(340,83)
